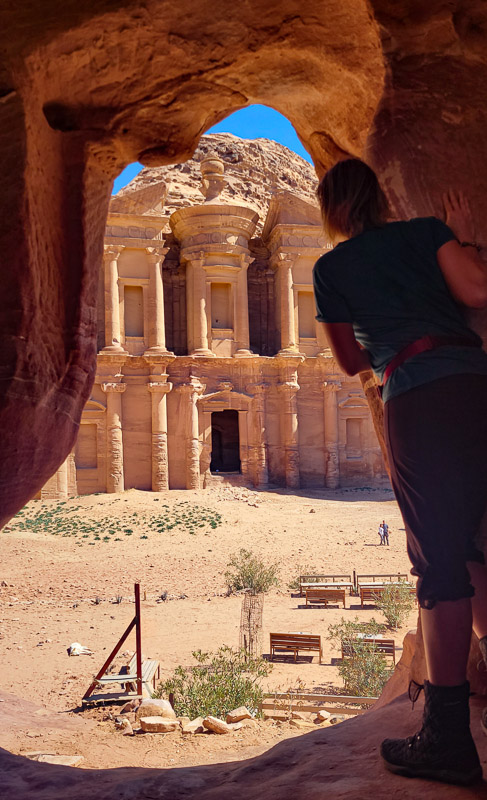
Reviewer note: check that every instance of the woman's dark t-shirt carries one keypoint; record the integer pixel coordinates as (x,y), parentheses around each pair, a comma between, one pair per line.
(388,284)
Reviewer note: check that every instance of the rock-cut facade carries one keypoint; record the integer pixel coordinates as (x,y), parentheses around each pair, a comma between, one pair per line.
(211,367)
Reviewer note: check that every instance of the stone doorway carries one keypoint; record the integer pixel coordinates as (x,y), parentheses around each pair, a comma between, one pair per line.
(225,441)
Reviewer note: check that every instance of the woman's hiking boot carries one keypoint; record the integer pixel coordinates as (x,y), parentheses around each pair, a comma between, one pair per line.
(443,750)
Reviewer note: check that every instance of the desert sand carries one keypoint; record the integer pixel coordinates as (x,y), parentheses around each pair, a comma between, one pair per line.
(59,589)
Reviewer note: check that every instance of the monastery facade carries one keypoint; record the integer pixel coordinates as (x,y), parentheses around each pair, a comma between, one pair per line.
(211,366)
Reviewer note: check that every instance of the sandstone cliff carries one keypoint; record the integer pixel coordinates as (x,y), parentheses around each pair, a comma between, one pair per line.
(254,170)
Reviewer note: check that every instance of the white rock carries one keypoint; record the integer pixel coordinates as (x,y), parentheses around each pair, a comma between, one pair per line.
(235,726)
(216,725)
(127,728)
(322,716)
(238,714)
(155,708)
(158,724)
(249,723)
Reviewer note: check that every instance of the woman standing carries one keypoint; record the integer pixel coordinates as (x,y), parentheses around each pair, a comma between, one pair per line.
(391,298)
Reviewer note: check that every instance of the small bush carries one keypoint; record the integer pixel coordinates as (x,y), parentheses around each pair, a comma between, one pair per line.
(251,573)
(220,682)
(366,671)
(395,602)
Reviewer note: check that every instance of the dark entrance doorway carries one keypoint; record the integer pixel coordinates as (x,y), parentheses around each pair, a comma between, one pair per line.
(225,445)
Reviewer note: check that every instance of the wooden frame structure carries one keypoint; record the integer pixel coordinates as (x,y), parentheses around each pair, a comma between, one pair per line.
(135,623)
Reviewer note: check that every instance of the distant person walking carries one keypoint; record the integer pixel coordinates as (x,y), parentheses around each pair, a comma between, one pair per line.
(385,528)
(381,533)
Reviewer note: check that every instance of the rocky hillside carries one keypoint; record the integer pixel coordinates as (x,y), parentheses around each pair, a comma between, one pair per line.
(254,170)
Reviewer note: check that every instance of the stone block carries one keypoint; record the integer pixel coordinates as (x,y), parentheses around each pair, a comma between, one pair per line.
(155,708)
(238,714)
(216,725)
(195,726)
(158,724)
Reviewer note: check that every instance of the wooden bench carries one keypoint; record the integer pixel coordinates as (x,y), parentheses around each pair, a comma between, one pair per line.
(150,675)
(386,646)
(309,581)
(294,642)
(372,592)
(322,595)
(366,580)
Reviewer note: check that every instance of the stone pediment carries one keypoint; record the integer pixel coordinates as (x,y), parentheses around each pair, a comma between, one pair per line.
(354,400)
(286,208)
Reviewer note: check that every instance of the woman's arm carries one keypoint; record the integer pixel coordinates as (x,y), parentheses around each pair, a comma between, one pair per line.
(464,271)
(351,358)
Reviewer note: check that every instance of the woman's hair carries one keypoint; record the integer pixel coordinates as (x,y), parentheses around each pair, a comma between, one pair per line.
(351,199)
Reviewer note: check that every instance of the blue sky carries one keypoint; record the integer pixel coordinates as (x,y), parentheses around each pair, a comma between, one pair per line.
(249,123)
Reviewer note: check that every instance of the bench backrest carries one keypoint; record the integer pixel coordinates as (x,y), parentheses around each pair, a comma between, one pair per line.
(303,639)
(324,578)
(387,646)
(390,578)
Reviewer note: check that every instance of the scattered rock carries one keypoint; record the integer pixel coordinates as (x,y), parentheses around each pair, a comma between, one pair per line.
(312,511)
(156,724)
(65,761)
(183,721)
(195,726)
(127,728)
(119,721)
(323,716)
(337,718)
(155,708)
(216,725)
(235,726)
(238,714)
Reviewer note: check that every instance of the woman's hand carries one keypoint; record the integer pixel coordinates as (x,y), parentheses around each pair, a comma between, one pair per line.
(458,215)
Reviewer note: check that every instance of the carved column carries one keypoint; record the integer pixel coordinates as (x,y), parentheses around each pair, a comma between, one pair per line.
(112,300)
(289,431)
(191,391)
(160,473)
(115,477)
(332,461)
(261,474)
(242,336)
(197,303)
(288,334)
(157,332)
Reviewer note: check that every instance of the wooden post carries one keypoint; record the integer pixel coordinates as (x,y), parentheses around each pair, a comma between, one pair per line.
(138,638)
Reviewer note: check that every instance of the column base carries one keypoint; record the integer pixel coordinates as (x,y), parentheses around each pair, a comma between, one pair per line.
(157,351)
(243,353)
(114,348)
(203,352)
(289,351)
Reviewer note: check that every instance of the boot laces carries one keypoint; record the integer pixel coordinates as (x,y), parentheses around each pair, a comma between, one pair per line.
(414,690)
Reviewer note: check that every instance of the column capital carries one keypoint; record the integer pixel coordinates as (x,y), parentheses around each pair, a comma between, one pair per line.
(193,387)
(246,260)
(290,387)
(112,251)
(156,254)
(332,386)
(283,260)
(114,387)
(160,388)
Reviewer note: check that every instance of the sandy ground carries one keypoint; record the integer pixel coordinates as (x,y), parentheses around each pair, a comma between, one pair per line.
(49,585)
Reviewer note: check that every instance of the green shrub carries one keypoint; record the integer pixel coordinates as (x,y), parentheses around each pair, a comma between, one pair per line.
(366,671)
(396,602)
(220,682)
(251,572)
